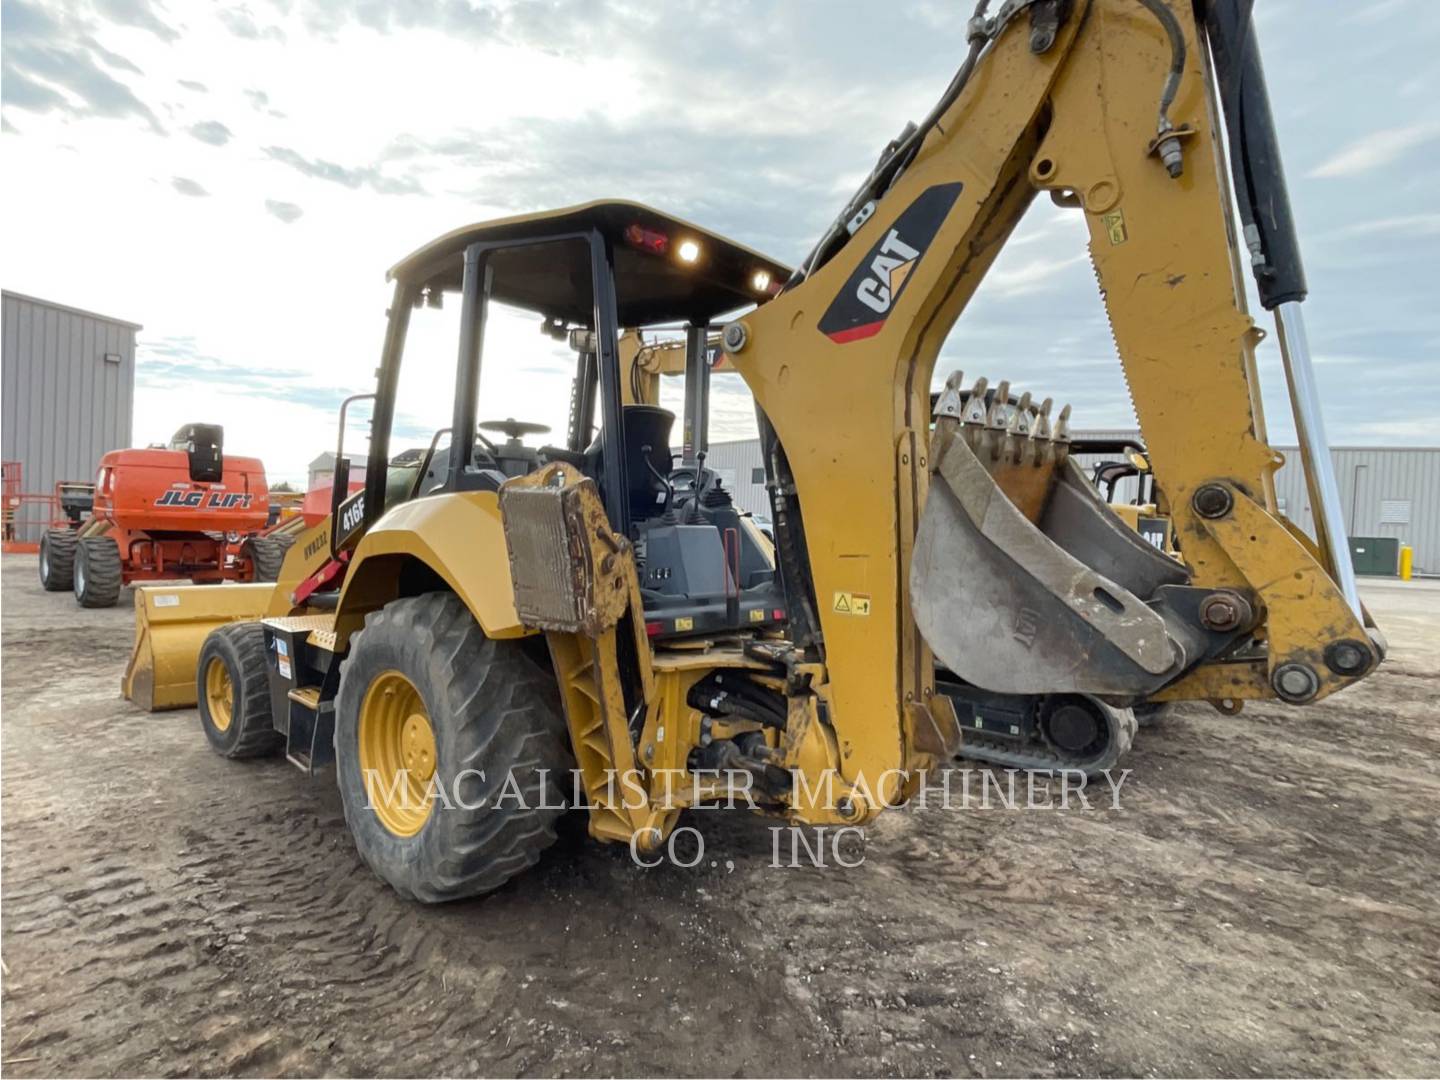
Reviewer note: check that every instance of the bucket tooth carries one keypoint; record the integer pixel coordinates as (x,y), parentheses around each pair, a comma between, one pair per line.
(951,403)
(1042,421)
(1017,431)
(975,407)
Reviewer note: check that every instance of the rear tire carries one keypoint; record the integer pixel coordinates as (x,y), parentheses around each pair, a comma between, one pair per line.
(267,556)
(98,574)
(57,560)
(232,687)
(427,699)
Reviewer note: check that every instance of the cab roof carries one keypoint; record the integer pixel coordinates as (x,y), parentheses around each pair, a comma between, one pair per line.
(653,284)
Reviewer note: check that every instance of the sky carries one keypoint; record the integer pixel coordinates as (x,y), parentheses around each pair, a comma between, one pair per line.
(237,177)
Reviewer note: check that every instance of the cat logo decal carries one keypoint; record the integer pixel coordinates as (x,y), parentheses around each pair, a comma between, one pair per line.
(870,293)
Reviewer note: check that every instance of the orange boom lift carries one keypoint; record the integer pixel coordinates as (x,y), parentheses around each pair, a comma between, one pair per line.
(182,511)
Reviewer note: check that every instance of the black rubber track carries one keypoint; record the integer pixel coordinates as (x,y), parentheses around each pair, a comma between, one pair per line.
(57,560)
(267,553)
(241,647)
(494,710)
(97,578)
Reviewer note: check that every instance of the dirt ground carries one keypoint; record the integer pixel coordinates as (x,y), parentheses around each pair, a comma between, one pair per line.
(1264,901)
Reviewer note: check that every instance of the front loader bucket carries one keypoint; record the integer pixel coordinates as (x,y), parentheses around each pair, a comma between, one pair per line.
(1022,581)
(171,624)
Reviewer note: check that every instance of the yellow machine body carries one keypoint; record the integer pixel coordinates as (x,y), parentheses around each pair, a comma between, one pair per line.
(885,483)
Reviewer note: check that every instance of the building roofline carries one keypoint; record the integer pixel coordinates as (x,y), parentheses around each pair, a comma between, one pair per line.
(9,294)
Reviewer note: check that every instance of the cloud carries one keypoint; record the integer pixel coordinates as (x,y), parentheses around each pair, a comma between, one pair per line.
(338,174)
(53,65)
(211,131)
(241,23)
(1033,276)
(779,207)
(286,212)
(751,118)
(185,186)
(1409,225)
(1377,150)
(260,101)
(135,13)
(113,60)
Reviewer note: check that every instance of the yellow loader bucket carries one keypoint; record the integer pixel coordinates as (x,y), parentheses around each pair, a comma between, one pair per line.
(171,624)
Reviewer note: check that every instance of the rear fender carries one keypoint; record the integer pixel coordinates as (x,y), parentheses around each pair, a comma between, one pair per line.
(455,537)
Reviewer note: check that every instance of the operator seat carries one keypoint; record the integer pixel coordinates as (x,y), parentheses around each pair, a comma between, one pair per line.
(647,426)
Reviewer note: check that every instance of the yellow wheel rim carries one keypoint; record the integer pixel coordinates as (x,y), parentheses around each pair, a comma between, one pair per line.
(219,693)
(397,753)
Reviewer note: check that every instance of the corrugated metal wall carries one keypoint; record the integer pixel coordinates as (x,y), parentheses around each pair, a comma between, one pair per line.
(1380,488)
(1384,491)
(64,404)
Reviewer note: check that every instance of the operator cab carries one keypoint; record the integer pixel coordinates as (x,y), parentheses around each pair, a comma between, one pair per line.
(588,271)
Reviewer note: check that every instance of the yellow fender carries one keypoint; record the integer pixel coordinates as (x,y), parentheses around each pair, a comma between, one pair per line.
(459,537)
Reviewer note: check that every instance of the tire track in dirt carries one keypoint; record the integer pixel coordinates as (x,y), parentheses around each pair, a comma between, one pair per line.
(170,912)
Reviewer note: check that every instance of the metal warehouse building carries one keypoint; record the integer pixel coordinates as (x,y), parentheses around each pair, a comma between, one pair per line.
(1388,492)
(67,396)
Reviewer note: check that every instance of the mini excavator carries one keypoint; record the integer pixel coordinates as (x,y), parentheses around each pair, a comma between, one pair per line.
(473,626)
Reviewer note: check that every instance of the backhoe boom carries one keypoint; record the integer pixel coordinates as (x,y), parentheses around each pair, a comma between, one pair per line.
(842,362)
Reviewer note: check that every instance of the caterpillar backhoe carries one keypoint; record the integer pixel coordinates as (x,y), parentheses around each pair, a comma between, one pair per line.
(460,634)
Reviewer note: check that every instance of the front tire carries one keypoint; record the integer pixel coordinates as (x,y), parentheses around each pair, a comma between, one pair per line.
(267,556)
(428,702)
(98,574)
(57,560)
(232,688)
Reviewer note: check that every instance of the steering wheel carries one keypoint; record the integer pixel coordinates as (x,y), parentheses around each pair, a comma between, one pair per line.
(513,429)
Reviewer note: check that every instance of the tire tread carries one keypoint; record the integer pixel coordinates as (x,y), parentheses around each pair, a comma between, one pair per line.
(508,721)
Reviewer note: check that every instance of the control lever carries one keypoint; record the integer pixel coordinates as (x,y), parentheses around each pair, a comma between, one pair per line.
(692,514)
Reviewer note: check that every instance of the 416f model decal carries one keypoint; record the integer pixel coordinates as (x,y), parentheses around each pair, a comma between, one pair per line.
(870,293)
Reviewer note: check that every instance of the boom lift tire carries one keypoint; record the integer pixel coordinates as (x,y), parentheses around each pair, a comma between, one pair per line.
(97,575)
(267,555)
(233,692)
(426,699)
(57,560)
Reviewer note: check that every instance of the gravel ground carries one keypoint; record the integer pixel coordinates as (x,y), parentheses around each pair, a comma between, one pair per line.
(1263,901)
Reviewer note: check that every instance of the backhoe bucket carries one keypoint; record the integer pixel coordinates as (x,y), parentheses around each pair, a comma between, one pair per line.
(171,624)
(1022,580)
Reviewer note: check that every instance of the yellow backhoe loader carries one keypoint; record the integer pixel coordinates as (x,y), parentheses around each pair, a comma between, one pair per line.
(463,636)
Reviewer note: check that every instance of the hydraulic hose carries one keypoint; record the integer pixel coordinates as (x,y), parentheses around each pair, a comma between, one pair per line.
(1167,19)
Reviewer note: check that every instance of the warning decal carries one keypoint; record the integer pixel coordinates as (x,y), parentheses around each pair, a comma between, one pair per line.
(848,603)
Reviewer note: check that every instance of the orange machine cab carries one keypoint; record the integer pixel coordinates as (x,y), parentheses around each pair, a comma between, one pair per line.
(151,490)
(184,510)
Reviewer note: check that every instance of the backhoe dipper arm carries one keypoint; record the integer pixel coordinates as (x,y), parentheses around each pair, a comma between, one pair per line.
(1062,99)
